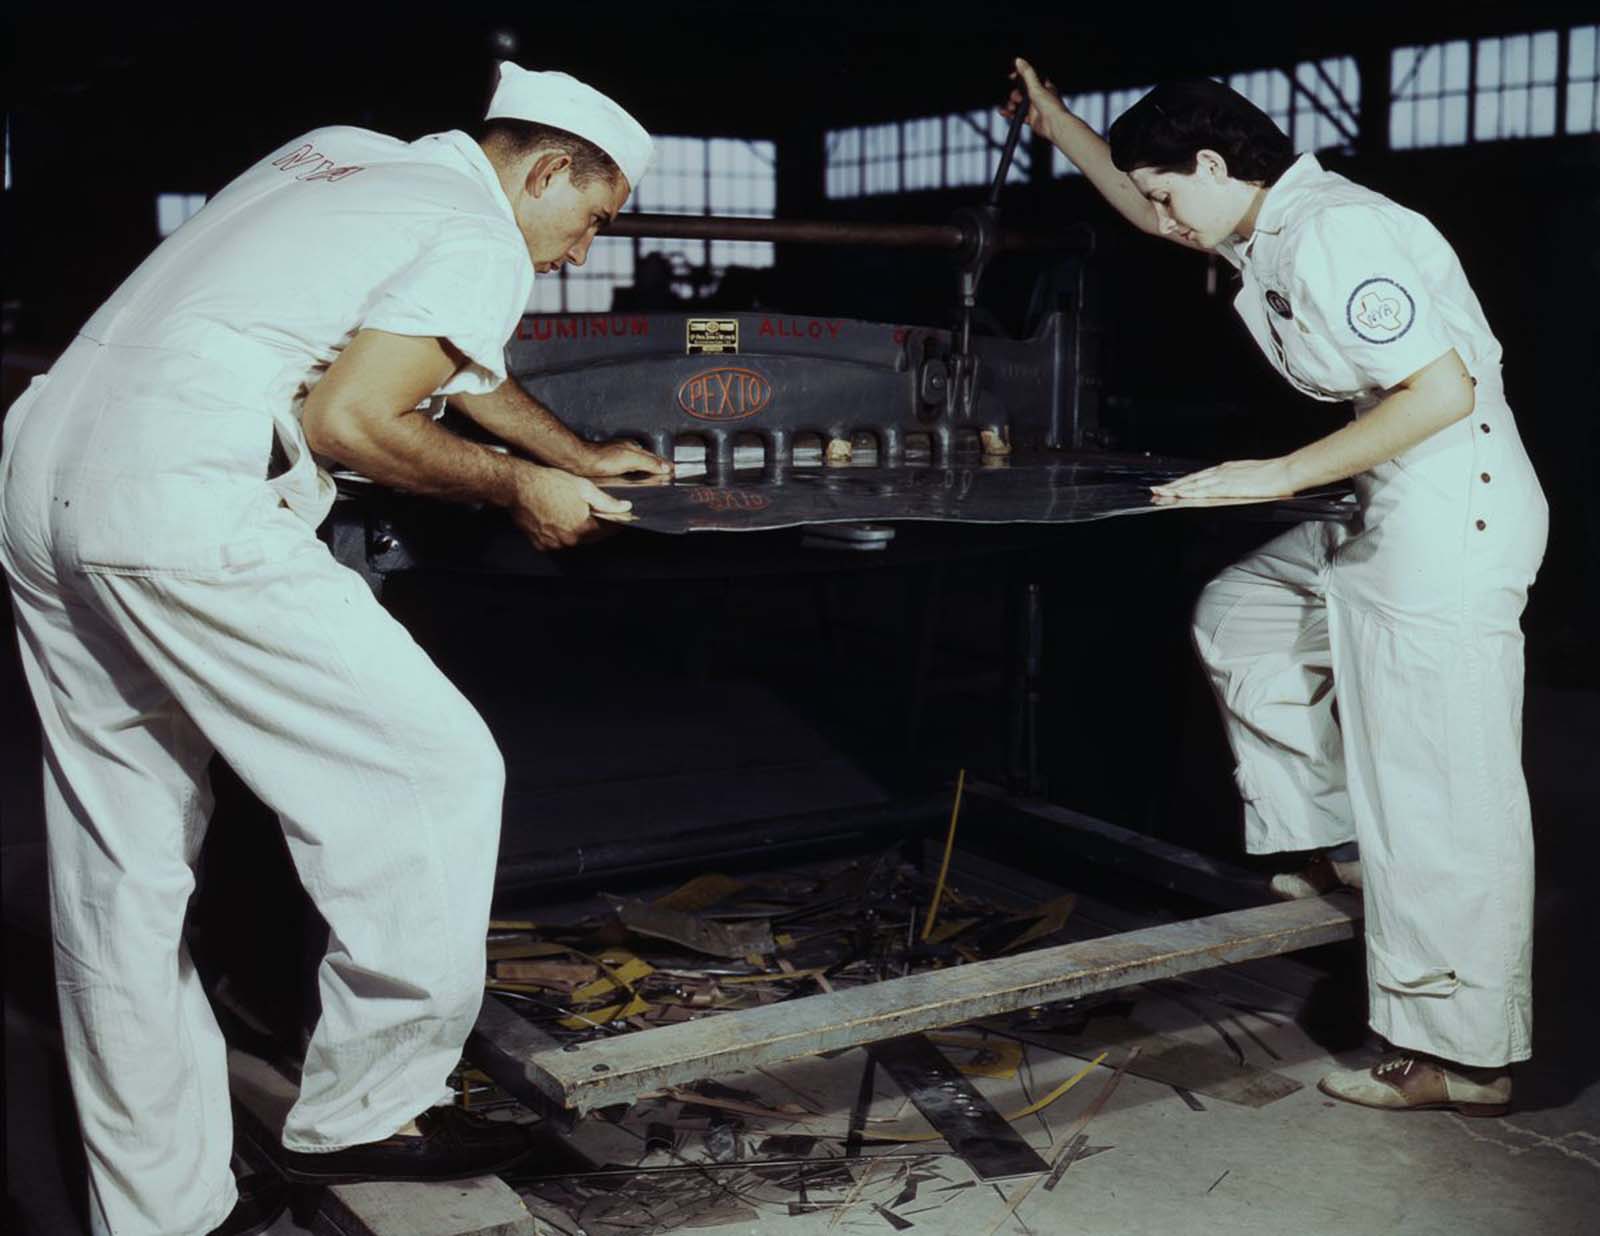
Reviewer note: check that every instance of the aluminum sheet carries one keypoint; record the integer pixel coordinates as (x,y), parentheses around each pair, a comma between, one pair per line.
(1002,490)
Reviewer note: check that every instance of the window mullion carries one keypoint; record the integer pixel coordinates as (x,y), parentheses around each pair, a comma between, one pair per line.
(1333,118)
(1349,109)
(1473,46)
(1563,72)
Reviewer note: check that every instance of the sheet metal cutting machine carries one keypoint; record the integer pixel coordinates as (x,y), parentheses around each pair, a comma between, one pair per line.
(778,419)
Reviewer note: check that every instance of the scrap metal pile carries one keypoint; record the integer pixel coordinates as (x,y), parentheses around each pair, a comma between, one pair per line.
(718,944)
(903,1127)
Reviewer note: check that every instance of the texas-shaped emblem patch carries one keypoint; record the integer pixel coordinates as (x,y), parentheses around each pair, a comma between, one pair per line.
(1380,310)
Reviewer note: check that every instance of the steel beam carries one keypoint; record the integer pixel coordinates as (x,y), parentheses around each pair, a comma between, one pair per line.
(949,236)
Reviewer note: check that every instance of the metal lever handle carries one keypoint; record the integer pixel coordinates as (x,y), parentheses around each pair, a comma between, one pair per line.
(1007,153)
(964,366)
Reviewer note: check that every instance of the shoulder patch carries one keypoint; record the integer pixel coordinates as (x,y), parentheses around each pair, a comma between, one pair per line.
(1380,310)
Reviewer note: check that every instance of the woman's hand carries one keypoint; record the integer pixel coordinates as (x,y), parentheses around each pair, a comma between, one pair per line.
(1044,104)
(1239,478)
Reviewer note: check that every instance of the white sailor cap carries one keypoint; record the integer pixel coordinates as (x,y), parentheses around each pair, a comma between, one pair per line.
(563,102)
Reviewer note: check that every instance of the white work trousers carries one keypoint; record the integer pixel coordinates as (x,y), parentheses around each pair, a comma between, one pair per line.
(1370,680)
(167,614)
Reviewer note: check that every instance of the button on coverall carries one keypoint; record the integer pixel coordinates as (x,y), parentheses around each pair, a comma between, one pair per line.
(1370,676)
(172,601)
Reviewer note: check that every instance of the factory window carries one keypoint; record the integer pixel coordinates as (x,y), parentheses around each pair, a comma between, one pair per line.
(1089,108)
(1430,86)
(1098,110)
(880,159)
(1516,86)
(1583,70)
(688,176)
(587,288)
(843,177)
(1327,101)
(973,141)
(1316,106)
(1492,89)
(1268,89)
(966,150)
(922,154)
(931,152)
(1119,101)
(173,208)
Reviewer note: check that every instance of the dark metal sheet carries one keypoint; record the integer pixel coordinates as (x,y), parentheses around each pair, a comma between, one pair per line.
(976,1131)
(983,491)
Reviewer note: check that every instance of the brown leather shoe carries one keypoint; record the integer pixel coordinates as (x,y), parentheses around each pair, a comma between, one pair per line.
(454,1145)
(1322,875)
(1410,1081)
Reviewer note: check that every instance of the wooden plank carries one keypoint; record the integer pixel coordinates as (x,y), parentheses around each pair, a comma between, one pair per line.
(485,1206)
(584,1076)
(1280,984)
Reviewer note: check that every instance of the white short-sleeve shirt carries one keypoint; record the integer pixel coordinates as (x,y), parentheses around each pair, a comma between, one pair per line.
(1348,293)
(339,230)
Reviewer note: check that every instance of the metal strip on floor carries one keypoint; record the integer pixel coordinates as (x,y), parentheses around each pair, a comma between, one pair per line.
(973,1127)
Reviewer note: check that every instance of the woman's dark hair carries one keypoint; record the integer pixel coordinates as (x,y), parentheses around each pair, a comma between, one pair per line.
(1170,125)
(520,137)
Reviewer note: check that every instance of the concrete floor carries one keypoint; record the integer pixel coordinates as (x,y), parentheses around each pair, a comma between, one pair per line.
(1301,1164)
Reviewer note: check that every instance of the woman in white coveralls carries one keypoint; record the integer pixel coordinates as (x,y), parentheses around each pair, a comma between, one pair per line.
(1370,677)
(157,528)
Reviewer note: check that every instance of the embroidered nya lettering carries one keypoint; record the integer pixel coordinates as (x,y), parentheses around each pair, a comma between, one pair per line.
(305,156)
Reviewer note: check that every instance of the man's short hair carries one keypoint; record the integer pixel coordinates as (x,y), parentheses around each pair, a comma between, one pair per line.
(1167,128)
(522,137)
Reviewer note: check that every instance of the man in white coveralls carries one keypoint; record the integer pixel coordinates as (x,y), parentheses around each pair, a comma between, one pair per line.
(161,491)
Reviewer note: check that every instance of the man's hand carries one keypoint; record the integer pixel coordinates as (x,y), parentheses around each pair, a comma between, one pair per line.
(558,510)
(618,459)
(1240,478)
(521,421)
(1045,108)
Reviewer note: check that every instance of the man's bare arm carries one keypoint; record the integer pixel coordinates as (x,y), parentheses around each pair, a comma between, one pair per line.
(519,420)
(363,413)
